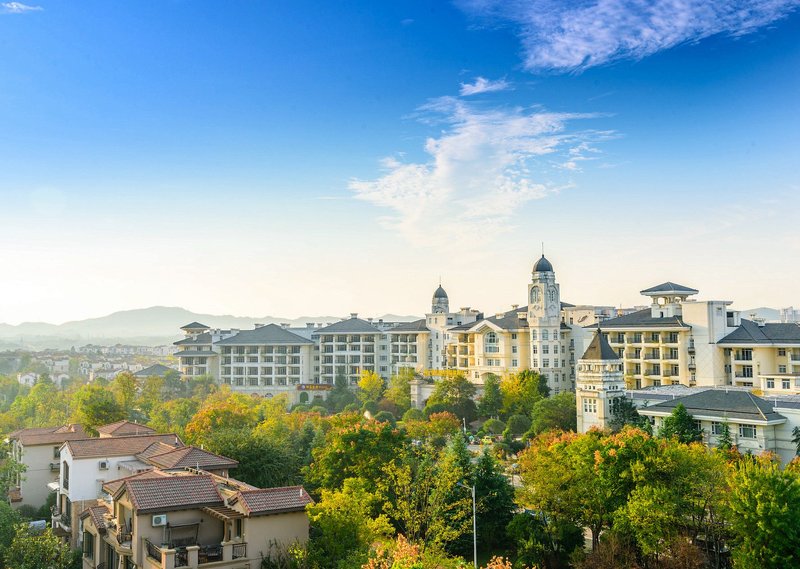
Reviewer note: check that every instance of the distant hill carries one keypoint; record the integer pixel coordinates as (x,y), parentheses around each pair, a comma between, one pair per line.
(143,326)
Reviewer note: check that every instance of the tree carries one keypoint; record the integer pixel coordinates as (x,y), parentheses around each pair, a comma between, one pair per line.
(520,391)
(492,399)
(518,424)
(543,542)
(399,390)
(31,550)
(725,441)
(624,412)
(223,410)
(764,515)
(173,416)
(557,412)
(495,502)
(681,424)
(796,440)
(341,395)
(457,395)
(124,388)
(9,518)
(10,469)
(263,462)
(152,394)
(370,386)
(413,415)
(95,406)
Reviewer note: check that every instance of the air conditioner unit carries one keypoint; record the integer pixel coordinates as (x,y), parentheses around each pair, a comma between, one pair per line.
(103,465)
(159,520)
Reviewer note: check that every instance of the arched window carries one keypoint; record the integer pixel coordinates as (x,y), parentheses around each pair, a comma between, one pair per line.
(533,334)
(534,295)
(552,295)
(490,343)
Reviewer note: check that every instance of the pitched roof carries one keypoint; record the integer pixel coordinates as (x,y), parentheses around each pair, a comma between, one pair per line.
(641,319)
(118,446)
(161,494)
(415,326)
(200,339)
(722,404)
(599,349)
(269,334)
(274,500)
(125,428)
(668,287)
(349,326)
(191,457)
(194,326)
(48,435)
(113,485)
(157,370)
(751,333)
(97,513)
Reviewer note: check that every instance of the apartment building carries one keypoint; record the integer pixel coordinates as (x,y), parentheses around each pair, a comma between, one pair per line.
(190,518)
(763,355)
(39,451)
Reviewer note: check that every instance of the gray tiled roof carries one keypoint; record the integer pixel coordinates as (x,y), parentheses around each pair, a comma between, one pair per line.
(194,326)
(199,339)
(274,500)
(641,319)
(669,287)
(509,321)
(751,333)
(269,334)
(599,349)
(415,326)
(722,404)
(157,370)
(162,494)
(349,326)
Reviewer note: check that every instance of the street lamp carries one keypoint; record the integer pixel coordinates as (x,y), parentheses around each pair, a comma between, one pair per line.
(474,525)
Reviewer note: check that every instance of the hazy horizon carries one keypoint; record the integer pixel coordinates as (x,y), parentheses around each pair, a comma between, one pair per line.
(298,158)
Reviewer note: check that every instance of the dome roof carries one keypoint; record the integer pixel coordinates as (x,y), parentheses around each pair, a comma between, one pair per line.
(440,293)
(542,266)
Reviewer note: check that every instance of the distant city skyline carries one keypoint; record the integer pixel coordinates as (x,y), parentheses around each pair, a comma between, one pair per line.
(297,158)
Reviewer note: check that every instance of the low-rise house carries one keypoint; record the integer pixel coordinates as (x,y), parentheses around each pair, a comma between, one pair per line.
(124,429)
(87,463)
(38,450)
(190,518)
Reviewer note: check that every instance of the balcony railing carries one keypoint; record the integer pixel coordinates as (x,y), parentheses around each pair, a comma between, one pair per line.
(153,551)
(239,551)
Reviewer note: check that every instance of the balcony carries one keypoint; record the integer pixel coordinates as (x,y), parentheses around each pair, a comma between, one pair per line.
(794,357)
(193,556)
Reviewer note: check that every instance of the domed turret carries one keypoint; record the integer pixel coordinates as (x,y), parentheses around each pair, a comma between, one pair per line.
(440,302)
(542,266)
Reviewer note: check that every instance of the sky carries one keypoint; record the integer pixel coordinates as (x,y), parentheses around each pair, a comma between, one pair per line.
(297,158)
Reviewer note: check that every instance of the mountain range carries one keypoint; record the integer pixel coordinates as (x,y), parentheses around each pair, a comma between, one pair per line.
(152,326)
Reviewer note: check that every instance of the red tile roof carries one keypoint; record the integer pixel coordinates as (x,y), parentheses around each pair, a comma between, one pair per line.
(97,513)
(274,500)
(48,435)
(125,428)
(169,493)
(113,485)
(118,446)
(190,457)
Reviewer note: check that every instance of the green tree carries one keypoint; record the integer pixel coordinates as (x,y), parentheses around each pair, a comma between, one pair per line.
(491,401)
(399,390)
(520,391)
(557,412)
(340,396)
(9,518)
(725,441)
(31,550)
(681,424)
(10,469)
(518,424)
(457,395)
(543,542)
(95,406)
(624,412)
(764,515)
(370,386)
(796,440)
(173,416)
(124,387)
(495,502)
(263,462)
(152,393)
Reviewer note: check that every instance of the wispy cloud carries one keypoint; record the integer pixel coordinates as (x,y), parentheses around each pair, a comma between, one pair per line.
(18,8)
(569,36)
(483,85)
(483,166)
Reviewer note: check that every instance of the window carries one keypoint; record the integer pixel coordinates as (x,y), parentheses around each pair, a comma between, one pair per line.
(545,349)
(65,470)
(654,337)
(533,334)
(589,405)
(716,428)
(535,362)
(56,452)
(781,352)
(88,545)
(513,336)
(781,369)
(770,384)
(534,349)
(785,384)
(747,371)
(747,431)
(513,349)
(514,363)
(546,362)
(545,335)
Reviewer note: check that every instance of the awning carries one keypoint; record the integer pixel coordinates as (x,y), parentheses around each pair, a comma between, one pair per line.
(53,486)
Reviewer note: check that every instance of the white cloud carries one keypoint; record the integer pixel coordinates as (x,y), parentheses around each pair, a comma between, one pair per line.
(18,8)
(482,167)
(568,36)
(483,85)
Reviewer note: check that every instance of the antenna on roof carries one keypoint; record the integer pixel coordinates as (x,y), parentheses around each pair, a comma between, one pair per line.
(542,248)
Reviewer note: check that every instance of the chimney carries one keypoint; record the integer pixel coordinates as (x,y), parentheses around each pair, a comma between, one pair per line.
(258,325)
(284,325)
(309,324)
(514,306)
(354,315)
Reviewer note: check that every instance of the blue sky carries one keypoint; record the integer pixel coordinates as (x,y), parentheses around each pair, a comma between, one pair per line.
(301,158)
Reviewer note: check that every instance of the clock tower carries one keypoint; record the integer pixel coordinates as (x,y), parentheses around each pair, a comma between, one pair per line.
(544,322)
